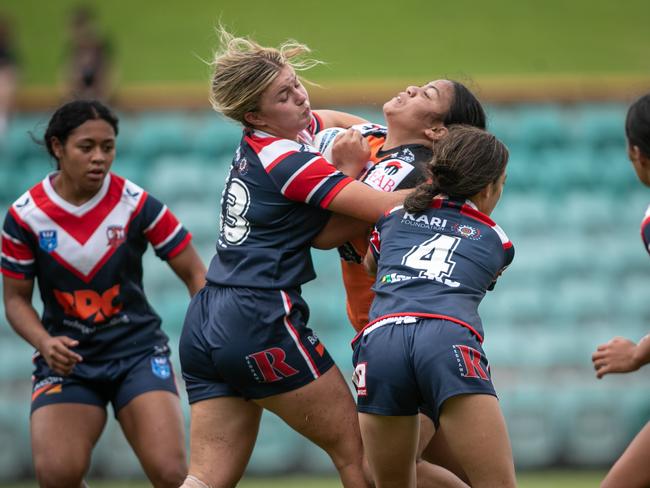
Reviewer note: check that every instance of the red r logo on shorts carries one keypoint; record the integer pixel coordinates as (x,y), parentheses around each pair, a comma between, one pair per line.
(271,364)
(469,362)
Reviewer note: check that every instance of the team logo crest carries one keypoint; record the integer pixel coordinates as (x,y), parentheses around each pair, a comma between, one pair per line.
(160,367)
(392,168)
(47,240)
(407,155)
(467,231)
(242,166)
(115,235)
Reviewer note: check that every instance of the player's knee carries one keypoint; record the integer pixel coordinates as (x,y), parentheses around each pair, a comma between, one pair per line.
(54,475)
(170,475)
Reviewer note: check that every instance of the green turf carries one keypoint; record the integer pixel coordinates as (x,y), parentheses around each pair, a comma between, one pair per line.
(162,40)
(542,479)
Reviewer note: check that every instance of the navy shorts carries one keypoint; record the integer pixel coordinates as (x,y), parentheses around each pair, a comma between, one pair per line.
(248,342)
(117,381)
(416,364)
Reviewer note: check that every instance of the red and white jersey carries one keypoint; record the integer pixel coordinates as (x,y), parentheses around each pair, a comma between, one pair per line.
(87,261)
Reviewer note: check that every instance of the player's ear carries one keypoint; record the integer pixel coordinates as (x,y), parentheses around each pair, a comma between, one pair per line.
(254,119)
(637,157)
(57,147)
(437,132)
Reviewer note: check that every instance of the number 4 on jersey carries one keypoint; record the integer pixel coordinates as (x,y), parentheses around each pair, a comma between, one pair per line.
(433,257)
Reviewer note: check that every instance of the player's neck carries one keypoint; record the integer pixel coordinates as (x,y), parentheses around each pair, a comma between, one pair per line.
(69,191)
(396,138)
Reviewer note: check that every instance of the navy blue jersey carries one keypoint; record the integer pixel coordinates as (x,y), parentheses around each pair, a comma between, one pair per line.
(438,263)
(273,205)
(87,261)
(401,167)
(645,230)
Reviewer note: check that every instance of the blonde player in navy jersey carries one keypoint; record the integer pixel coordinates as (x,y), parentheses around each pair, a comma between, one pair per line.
(245,344)
(621,355)
(435,258)
(81,233)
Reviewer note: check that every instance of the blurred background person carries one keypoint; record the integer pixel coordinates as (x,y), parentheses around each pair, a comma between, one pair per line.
(8,72)
(89,58)
(621,355)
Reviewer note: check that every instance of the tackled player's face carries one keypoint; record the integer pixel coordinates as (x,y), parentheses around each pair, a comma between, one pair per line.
(284,107)
(420,106)
(87,155)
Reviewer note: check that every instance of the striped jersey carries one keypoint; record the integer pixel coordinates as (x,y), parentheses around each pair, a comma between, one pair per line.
(438,263)
(87,261)
(273,204)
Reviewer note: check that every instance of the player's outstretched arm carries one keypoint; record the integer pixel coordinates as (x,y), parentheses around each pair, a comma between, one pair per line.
(24,319)
(339,230)
(189,268)
(334,118)
(621,355)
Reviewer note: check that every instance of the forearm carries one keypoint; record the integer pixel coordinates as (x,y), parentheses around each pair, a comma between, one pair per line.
(339,230)
(335,118)
(362,202)
(189,267)
(24,319)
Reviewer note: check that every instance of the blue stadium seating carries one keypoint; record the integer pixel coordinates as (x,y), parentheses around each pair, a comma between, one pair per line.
(16,460)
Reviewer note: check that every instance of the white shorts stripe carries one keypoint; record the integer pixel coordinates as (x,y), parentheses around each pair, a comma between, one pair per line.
(294,335)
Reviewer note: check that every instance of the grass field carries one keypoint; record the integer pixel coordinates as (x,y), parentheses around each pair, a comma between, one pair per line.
(542,479)
(158,41)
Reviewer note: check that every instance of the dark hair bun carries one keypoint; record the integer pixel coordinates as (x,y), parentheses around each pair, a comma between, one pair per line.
(444,174)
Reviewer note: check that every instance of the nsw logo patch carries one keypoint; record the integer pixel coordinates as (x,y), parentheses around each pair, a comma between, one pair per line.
(47,240)
(160,367)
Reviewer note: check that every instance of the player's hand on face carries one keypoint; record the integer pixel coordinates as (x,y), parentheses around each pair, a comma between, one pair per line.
(350,152)
(615,356)
(58,355)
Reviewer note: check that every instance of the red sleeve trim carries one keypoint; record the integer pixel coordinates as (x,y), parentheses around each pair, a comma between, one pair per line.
(16,250)
(325,202)
(12,274)
(163,229)
(181,245)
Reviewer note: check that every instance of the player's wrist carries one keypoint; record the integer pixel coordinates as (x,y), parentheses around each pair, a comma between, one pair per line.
(639,357)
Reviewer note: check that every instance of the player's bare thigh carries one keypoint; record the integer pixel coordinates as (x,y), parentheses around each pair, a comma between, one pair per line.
(324,412)
(476,433)
(631,469)
(153,424)
(223,428)
(63,436)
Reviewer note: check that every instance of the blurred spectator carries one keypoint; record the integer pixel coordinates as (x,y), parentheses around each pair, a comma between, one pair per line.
(8,72)
(89,58)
